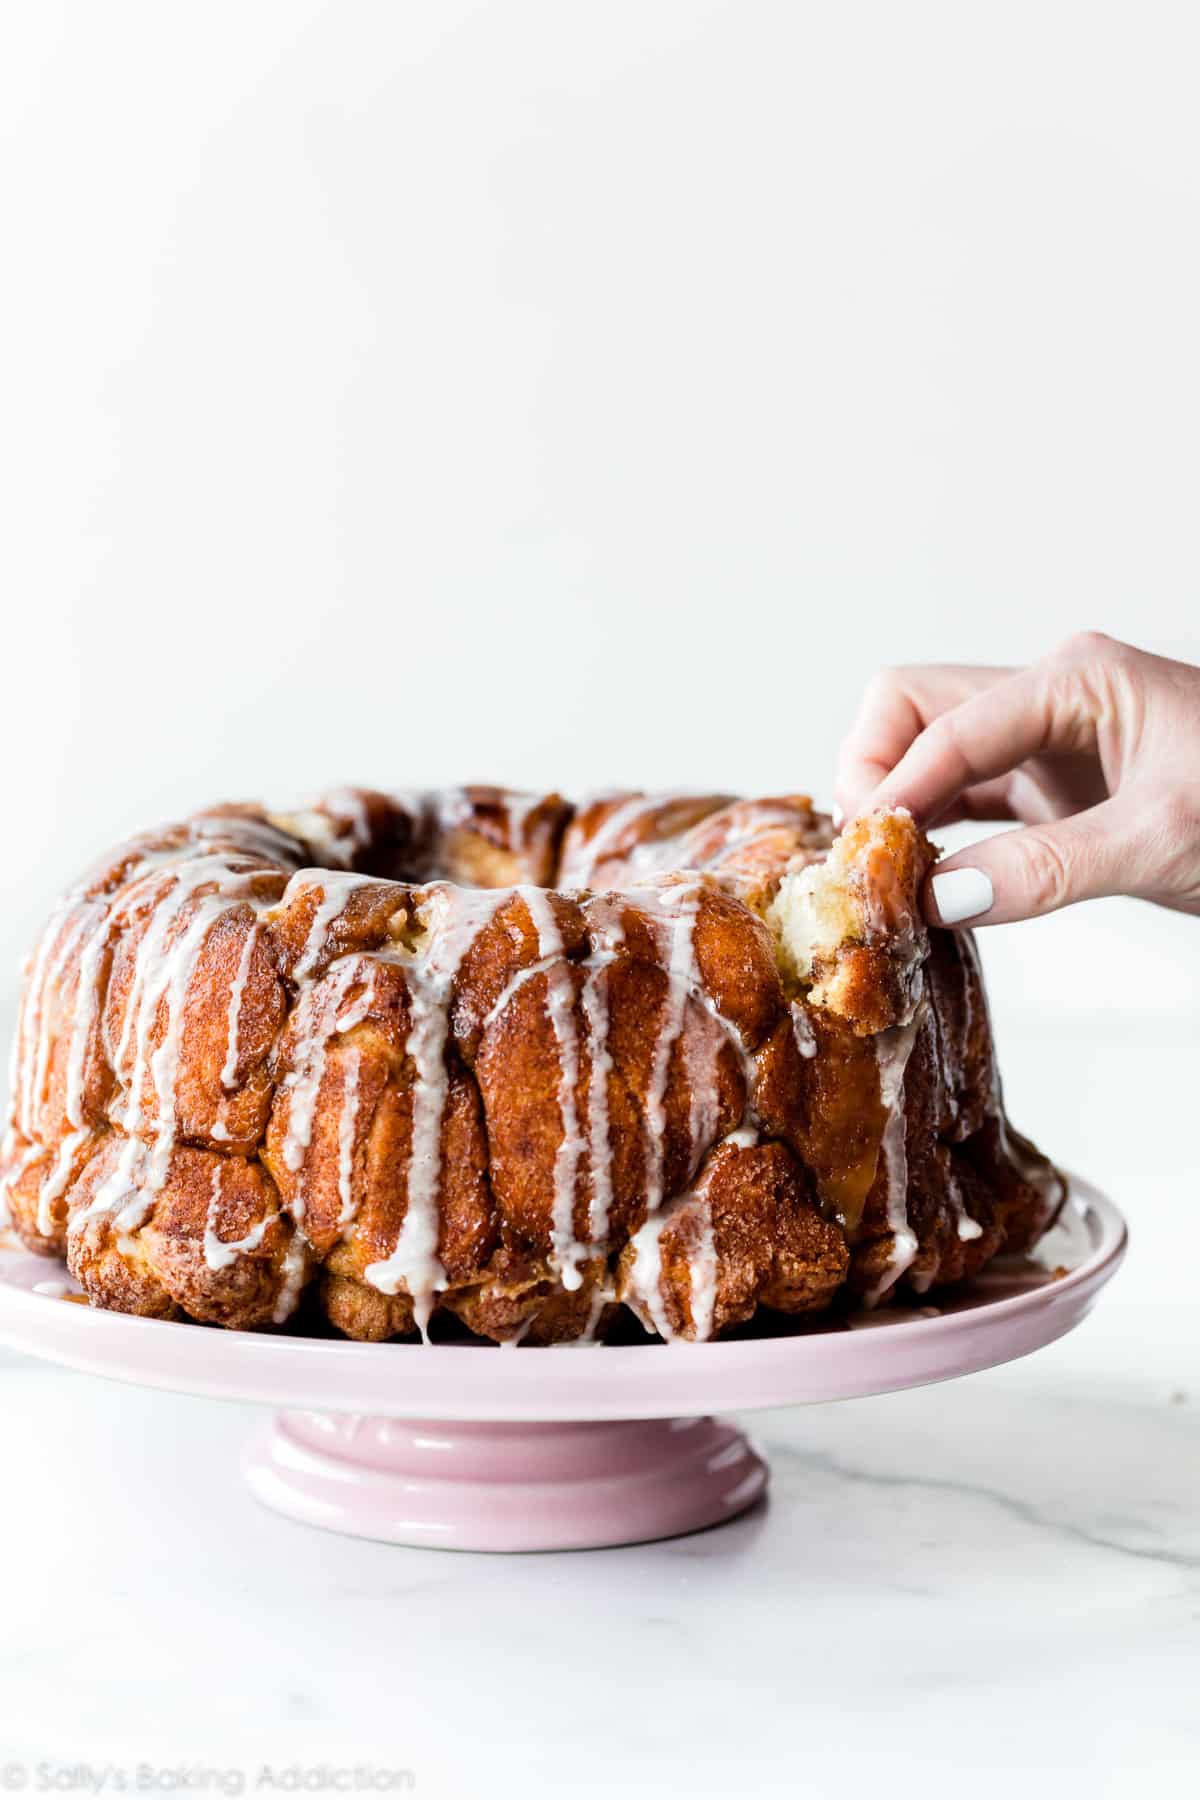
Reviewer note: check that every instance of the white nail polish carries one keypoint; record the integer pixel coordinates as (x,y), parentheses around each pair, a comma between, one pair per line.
(962,894)
(839,817)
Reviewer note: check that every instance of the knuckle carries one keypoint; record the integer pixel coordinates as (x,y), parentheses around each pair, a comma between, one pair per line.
(884,685)
(945,740)
(1175,817)
(1172,863)
(1047,873)
(941,730)
(1089,679)
(1092,647)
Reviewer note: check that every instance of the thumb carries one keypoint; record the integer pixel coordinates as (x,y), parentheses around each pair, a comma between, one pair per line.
(1023,874)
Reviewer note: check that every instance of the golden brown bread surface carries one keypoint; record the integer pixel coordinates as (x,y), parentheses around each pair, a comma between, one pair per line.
(487,1055)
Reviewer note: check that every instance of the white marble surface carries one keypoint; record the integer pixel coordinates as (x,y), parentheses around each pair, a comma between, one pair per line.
(990,1583)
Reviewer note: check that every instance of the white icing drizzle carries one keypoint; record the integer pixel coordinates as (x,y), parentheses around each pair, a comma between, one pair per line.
(702,1040)
(966,1227)
(338,885)
(86,1012)
(351,804)
(447,807)
(802,1031)
(643,1282)
(601,1296)
(164,965)
(644,1287)
(594,1001)
(79,929)
(202,885)
(893,1049)
(458,915)
(315,832)
(675,909)
(702,1275)
(888,918)
(221,1253)
(152,970)
(33,1046)
(237,989)
(32,969)
(125,1194)
(520,1334)
(567,1252)
(52,977)
(347,1129)
(56,1182)
(583,860)
(318,1019)
(740,824)
(164,1063)
(680,968)
(270,843)
(517,811)
(294,1270)
(607,933)
(33,1038)
(318,1016)
(542,967)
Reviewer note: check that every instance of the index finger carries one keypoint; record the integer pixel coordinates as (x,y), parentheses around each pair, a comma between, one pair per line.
(898,705)
(988,735)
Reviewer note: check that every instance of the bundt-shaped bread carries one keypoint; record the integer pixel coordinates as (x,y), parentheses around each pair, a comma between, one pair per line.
(483,1053)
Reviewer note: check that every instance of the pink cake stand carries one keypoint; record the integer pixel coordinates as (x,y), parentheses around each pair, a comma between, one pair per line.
(470,1447)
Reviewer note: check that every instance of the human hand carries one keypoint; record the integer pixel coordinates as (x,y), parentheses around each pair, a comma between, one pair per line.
(1095,749)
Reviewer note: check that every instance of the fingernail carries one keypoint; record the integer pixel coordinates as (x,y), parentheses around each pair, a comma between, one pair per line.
(839,817)
(962,894)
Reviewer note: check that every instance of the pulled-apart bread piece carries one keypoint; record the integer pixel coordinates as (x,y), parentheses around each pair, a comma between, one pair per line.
(486,1056)
(849,927)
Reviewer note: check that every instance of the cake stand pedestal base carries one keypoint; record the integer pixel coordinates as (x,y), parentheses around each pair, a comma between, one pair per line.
(504,1486)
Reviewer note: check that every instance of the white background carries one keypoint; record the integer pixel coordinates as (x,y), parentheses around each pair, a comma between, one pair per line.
(585,393)
(571,394)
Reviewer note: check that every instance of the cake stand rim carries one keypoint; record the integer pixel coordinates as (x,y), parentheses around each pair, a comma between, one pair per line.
(467,1382)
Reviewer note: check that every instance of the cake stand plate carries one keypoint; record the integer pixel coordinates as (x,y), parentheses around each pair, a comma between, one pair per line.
(467,1446)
